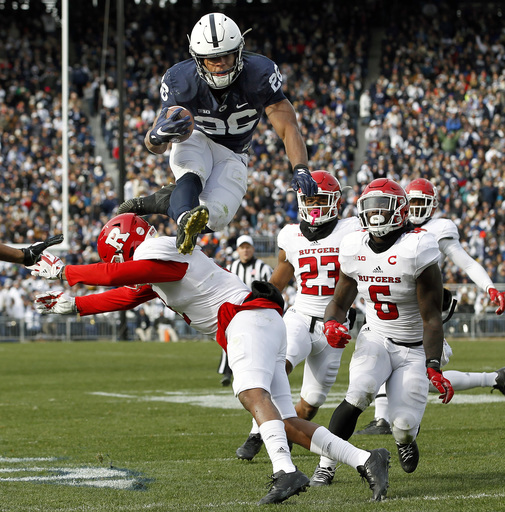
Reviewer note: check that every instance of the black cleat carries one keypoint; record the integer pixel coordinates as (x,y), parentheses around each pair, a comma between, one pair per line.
(226,380)
(284,485)
(190,227)
(376,472)
(376,428)
(250,448)
(409,456)
(500,381)
(156,203)
(322,476)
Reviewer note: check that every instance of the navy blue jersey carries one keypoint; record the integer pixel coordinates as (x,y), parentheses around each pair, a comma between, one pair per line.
(232,121)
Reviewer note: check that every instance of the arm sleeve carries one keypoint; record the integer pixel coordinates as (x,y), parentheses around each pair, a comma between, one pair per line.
(119,299)
(453,250)
(127,273)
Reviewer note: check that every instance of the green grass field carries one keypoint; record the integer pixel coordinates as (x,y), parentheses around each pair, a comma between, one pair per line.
(147,427)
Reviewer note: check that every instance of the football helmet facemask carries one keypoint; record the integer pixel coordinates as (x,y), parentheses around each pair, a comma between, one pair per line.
(425,196)
(121,236)
(329,197)
(383,207)
(216,35)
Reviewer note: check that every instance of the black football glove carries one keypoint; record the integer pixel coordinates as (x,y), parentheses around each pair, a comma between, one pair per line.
(303,180)
(166,129)
(33,252)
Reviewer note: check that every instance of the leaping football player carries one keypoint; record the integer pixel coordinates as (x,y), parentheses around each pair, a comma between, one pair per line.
(227,91)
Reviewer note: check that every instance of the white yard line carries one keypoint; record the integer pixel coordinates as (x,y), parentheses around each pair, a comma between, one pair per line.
(226,400)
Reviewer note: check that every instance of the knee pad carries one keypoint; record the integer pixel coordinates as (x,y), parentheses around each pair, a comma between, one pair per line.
(363,395)
(405,429)
(219,215)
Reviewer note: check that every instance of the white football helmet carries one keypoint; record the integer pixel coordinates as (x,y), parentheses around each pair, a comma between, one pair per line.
(216,35)
(383,207)
(328,188)
(426,196)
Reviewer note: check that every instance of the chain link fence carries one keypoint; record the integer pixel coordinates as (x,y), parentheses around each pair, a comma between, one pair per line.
(475,319)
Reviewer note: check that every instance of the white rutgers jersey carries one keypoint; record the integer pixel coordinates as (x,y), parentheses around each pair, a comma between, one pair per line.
(441,229)
(387,281)
(201,292)
(316,264)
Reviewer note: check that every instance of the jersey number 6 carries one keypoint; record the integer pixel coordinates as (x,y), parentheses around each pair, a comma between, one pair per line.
(385,310)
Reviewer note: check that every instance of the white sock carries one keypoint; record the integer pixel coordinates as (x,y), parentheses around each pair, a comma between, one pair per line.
(381,404)
(333,449)
(181,216)
(254,429)
(275,440)
(469,380)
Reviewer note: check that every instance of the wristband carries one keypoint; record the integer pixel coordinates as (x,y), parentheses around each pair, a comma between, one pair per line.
(433,363)
(301,166)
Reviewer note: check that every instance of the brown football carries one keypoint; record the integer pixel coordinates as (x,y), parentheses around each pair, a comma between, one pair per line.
(184,112)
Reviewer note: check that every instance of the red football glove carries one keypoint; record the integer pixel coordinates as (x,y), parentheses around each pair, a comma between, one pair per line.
(336,334)
(498,298)
(442,384)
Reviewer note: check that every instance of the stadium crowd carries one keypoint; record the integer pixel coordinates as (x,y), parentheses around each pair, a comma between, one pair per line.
(435,111)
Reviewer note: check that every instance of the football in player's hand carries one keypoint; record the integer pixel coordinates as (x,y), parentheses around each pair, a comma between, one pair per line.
(182,114)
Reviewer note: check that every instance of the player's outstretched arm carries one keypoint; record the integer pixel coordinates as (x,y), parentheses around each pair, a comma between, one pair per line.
(28,255)
(283,118)
(11,254)
(118,299)
(474,270)
(33,253)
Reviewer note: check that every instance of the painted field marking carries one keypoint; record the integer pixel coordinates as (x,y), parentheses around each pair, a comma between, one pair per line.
(110,478)
(226,399)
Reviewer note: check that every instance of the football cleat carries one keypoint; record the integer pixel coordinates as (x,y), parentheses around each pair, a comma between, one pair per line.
(250,448)
(156,203)
(226,380)
(500,380)
(190,227)
(409,456)
(322,476)
(283,485)
(376,428)
(376,472)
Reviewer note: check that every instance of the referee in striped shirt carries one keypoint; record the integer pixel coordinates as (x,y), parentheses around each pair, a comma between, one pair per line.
(249,269)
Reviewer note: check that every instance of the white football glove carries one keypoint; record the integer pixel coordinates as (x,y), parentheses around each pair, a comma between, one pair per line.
(55,302)
(48,267)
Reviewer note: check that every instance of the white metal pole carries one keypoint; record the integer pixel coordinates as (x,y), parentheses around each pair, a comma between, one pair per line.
(64,118)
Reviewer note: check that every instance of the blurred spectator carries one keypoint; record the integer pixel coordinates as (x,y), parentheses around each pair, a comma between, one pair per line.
(438,104)
(143,325)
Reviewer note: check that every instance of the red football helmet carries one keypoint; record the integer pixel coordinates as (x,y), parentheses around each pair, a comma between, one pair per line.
(425,196)
(383,207)
(329,196)
(121,236)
